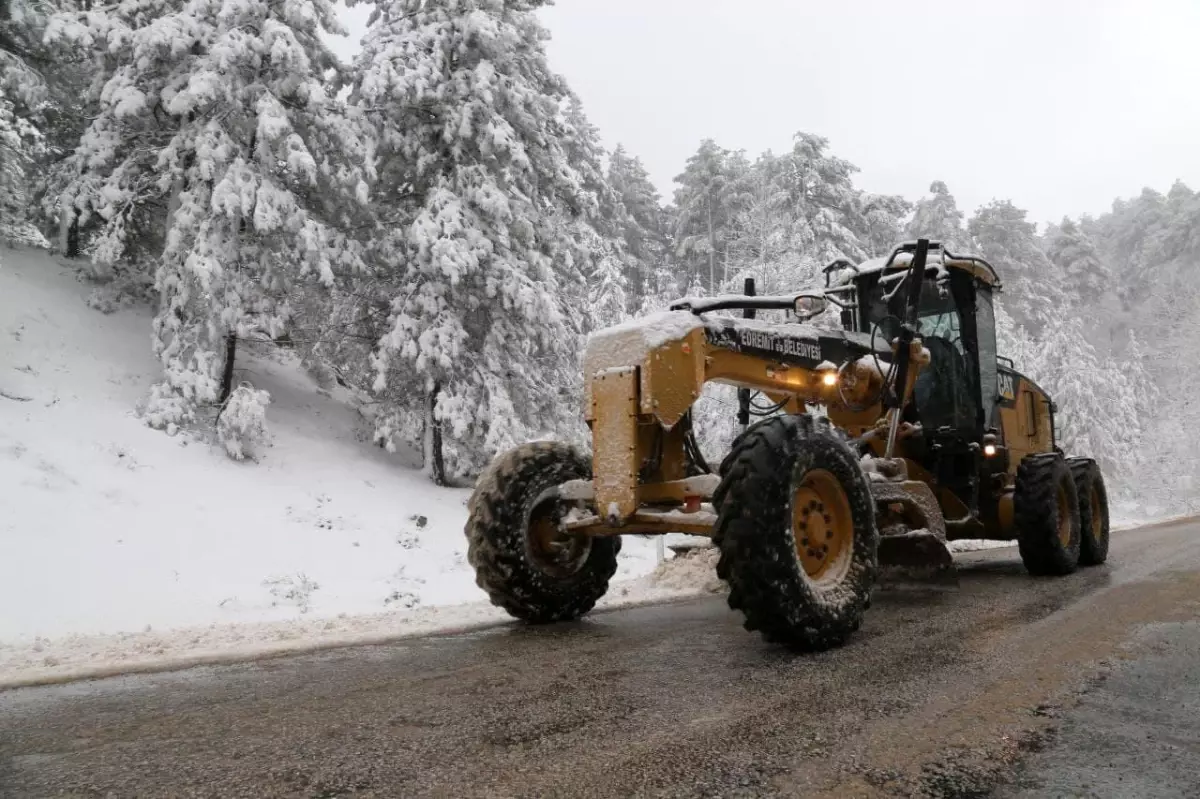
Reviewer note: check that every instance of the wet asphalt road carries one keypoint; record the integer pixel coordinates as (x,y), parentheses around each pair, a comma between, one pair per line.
(1028,687)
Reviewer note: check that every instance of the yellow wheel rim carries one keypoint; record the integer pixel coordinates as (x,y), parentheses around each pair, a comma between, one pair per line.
(1097,518)
(822,527)
(1064,517)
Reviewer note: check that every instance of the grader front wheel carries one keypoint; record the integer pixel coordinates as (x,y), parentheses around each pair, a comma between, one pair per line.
(796,530)
(522,559)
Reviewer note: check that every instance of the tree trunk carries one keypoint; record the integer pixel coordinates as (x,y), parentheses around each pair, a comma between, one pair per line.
(435,465)
(712,252)
(71,245)
(227,372)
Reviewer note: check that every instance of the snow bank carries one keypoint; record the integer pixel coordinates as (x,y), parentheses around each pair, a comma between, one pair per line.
(73,657)
(121,545)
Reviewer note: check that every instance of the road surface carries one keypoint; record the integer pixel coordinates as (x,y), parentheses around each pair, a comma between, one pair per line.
(1011,684)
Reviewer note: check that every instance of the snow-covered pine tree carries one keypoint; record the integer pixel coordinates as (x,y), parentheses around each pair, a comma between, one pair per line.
(1103,403)
(69,99)
(1033,293)
(20,143)
(883,215)
(764,241)
(104,188)
(799,212)
(820,191)
(220,120)
(600,258)
(937,217)
(477,199)
(1088,279)
(1152,243)
(1088,282)
(711,191)
(641,224)
(22,97)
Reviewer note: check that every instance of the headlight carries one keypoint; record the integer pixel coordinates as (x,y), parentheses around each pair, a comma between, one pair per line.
(829,378)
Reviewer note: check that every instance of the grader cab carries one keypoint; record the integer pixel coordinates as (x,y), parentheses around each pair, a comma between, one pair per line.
(926,436)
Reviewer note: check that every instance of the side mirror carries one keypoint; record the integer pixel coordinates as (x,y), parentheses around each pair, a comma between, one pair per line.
(809,305)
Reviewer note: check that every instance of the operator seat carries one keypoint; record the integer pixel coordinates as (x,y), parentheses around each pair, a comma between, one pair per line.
(943,388)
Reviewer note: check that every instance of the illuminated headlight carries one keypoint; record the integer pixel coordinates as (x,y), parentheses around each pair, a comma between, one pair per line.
(989,450)
(829,378)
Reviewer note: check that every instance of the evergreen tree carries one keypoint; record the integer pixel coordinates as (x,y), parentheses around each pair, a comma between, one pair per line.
(601,257)
(1088,280)
(1089,284)
(1103,402)
(883,215)
(818,189)
(217,122)
(20,144)
(710,193)
(476,240)
(937,218)
(22,98)
(640,222)
(1033,291)
(802,213)
(766,242)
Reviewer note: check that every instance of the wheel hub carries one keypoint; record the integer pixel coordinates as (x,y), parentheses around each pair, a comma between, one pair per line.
(555,552)
(822,526)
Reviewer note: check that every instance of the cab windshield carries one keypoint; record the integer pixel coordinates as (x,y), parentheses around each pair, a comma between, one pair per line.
(946,387)
(937,313)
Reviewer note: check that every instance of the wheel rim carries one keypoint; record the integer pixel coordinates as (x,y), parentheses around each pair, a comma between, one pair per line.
(822,527)
(553,551)
(1064,517)
(1097,515)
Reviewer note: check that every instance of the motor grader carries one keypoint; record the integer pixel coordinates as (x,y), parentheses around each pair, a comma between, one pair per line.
(880,441)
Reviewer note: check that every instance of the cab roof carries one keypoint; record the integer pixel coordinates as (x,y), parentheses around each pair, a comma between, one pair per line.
(939,259)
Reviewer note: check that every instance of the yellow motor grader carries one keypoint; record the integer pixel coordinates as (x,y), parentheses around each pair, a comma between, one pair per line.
(927,435)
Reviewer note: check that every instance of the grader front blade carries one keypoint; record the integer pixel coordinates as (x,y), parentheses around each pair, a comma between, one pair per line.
(912,550)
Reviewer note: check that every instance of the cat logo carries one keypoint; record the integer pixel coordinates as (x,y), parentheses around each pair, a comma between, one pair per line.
(1007,390)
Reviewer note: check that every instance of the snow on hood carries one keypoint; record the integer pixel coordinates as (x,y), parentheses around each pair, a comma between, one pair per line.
(649,332)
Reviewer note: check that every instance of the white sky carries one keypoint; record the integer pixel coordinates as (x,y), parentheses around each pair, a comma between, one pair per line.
(1060,105)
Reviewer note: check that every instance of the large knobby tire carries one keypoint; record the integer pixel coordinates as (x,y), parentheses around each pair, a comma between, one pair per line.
(1046,513)
(796,530)
(1093,511)
(521,559)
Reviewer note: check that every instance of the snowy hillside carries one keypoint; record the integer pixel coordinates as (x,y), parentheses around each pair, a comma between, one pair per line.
(112,527)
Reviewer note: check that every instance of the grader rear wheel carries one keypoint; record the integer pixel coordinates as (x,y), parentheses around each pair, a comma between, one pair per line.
(1093,511)
(796,530)
(1046,511)
(522,559)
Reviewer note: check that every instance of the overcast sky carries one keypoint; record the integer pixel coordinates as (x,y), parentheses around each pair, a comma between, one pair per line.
(1060,105)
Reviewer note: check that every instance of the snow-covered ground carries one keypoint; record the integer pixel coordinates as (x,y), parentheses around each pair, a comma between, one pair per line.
(119,543)
(121,546)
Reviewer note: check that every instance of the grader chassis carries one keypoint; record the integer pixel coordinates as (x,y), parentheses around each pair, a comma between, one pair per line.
(928,436)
